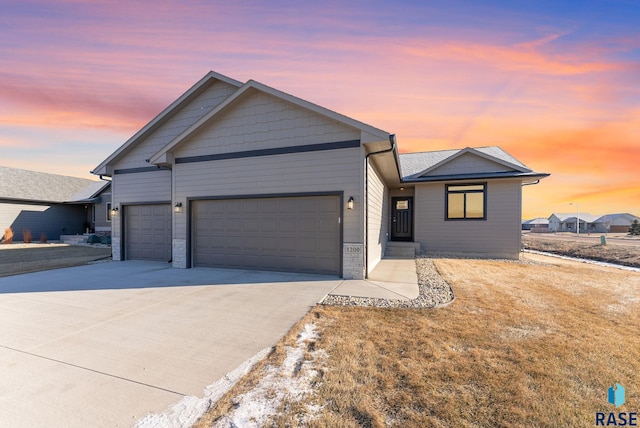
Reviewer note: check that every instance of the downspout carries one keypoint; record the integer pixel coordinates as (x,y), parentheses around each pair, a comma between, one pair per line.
(392,141)
(531,184)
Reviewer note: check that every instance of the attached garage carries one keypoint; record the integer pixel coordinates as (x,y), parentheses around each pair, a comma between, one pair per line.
(619,229)
(297,233)
(148,232)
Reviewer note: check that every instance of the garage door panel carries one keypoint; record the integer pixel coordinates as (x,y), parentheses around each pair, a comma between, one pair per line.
(325,245)
(326,225)
(148,232)
(269,225)
(283,233)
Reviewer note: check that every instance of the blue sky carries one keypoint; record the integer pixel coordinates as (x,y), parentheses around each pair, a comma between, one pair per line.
(557,84)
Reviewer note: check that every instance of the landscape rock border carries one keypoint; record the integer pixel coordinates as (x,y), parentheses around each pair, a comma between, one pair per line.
(434,292)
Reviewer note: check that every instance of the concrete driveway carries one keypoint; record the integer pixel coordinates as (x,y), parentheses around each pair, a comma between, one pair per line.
(105,344)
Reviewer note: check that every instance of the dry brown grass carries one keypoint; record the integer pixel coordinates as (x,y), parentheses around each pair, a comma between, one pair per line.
(17,259)
(614,252)
(522,346)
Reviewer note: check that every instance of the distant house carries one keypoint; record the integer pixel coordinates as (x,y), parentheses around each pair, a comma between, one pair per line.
(566,222)
(51,204)
(539,224)
(617,223)
(609,223)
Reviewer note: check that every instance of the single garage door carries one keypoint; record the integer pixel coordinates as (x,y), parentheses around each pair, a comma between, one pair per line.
(148,232)
(298,234)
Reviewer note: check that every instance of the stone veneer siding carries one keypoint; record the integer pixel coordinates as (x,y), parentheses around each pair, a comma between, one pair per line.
(353,261)
(179,253)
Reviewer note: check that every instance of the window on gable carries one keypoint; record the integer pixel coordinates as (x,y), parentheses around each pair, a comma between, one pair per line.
(466,201)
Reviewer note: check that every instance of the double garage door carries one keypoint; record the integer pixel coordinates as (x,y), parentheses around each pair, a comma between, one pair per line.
(298,234)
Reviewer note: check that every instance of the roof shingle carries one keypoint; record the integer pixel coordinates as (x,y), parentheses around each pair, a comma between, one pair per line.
(25,185)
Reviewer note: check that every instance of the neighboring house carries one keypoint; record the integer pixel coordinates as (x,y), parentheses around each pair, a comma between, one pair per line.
(536,225)
(566,222)
(96,198)
(47,203)
(617,223)
(243,175)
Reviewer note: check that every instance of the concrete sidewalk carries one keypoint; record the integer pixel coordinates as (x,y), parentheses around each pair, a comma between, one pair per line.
(391,279)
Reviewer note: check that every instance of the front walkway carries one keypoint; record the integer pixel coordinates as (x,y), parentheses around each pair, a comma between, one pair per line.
(391,279)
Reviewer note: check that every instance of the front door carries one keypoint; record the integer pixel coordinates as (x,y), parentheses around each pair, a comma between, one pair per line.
(402,219)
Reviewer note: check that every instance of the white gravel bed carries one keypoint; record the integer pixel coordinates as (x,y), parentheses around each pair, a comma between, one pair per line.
(434,292)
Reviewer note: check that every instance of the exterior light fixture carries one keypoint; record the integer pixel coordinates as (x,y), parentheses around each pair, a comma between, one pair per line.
(350,203)
(114,211)
(178,207)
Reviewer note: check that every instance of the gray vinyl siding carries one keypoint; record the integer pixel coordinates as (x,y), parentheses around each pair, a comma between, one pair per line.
(378,217)
(468,164)
(53,220)
(497,236)
(261,121)
(136,188)
(326,171)
(101,211)
(151,186)
(204,103)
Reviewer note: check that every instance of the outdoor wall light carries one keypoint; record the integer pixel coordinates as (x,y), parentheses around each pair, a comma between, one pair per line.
(178,207)
(350,203)
(114,211)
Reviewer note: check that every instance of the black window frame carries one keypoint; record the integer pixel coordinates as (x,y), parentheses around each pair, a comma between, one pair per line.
(465,192)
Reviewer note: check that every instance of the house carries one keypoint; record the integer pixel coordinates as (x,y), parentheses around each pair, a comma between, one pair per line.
(539,225)
(243,175)
(617,223)
(566,222)
(50,204)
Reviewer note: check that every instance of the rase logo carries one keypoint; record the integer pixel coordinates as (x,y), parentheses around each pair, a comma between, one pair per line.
(615,396)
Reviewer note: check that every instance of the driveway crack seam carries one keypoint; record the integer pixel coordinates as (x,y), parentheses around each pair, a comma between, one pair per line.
(94,371)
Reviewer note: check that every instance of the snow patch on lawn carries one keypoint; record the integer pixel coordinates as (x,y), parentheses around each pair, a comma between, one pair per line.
(187,411)
(292,381)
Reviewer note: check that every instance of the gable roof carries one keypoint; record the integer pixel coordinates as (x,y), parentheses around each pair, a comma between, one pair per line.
(375,133)
(164,116)
(613,217)
(32,186)
(584,217)
(90,193)
(415,166)
(538,220)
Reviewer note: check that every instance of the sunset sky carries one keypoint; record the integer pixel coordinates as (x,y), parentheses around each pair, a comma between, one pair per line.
(555,83)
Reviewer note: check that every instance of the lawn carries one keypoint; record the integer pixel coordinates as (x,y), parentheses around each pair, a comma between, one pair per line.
(618,251)
(525,344)
(24,258)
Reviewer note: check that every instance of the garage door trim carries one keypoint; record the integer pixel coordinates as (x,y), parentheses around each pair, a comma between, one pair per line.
(190,200)
(123,221)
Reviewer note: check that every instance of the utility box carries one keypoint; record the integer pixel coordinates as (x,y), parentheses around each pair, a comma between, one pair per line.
(603,240)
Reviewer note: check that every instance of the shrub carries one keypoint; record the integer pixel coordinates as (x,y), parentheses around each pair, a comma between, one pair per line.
(8,236)
(43,238)
(635,228)
(26,236)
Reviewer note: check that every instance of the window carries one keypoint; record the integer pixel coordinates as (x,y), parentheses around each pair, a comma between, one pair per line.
(466,202)
(108,211)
